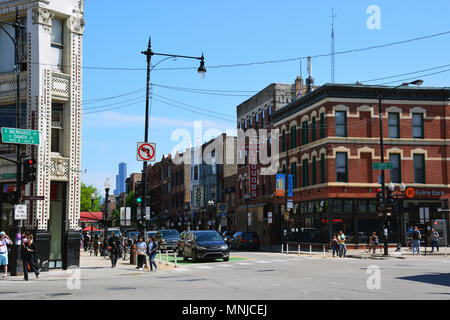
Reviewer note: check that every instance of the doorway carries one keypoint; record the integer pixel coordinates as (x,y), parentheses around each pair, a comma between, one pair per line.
(56,224)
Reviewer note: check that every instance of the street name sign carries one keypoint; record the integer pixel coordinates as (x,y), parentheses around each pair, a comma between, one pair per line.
(20,212)
(20,136)
(146,151)
(382,166)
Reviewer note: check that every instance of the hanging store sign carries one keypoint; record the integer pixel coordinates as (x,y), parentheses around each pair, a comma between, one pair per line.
(280,185)
(253,181)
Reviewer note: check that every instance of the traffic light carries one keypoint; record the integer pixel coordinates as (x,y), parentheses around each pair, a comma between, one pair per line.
(390,197)
(29,170)
(380,203)
(138,192)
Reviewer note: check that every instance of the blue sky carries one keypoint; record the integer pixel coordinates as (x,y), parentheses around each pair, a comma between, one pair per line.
(233,32)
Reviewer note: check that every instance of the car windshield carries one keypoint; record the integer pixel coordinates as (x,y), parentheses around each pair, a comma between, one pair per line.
(169,233)
(116,232)
(208,236)
(249,235)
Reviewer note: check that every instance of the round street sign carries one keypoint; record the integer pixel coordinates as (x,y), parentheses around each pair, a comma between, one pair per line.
(146,151)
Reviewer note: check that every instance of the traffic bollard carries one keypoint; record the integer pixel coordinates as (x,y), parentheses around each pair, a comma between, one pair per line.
(298,249)
(167,257)
(175,259)
(159,261)
(310,250)
(324,251)
(282,248)
(287,248)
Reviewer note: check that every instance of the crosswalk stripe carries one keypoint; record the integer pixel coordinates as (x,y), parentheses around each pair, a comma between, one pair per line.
(262,261)
(203,267)
(244,263)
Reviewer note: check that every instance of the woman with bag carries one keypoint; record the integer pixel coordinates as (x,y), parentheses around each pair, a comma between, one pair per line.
(29,249)
(141,251)
(334,244)
(152,247)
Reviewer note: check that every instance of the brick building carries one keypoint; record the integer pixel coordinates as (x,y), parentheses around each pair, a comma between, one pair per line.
(330,139)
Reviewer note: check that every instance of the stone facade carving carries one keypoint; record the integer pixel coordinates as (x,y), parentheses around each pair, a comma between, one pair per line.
(44,17)
(76,25)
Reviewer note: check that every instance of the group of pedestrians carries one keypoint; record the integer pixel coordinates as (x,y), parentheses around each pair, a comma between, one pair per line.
(338,246)
(143,250)
(416,236)
(28,251)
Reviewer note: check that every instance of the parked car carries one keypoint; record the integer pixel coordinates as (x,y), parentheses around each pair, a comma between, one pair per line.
(181,243)
(245,240)
(205,244)
(168,239)
(150,234)
(132,235)
(227,235)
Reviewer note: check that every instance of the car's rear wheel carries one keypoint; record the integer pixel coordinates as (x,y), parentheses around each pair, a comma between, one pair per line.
(226,259)
(185,258)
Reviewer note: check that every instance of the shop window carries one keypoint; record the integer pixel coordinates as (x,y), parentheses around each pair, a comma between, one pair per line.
(394,125)
(362,205)
(396,171)
(372,205)
(341,124)
(337,205)
(417,124)
(419,168)
(57,127)
(322,168)
(341,167)
(348,206)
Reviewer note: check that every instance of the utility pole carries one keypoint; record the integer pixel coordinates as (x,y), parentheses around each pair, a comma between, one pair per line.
(18,27)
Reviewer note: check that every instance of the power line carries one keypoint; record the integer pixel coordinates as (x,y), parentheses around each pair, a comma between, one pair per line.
(405,74)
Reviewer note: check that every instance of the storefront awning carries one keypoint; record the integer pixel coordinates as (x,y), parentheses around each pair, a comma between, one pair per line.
(91,216)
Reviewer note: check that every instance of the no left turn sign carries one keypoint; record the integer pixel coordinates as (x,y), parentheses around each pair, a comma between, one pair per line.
(146,151)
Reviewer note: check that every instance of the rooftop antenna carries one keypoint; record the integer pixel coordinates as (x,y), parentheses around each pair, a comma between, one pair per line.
(332,45)
(310,79)
(301,78)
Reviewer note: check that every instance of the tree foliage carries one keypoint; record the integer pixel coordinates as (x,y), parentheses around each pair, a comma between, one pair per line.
(85,199)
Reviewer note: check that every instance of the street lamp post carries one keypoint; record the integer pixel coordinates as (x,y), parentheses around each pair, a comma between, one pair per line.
(92,210)
(247,198)
(149,53)
(107,185)
(383,188)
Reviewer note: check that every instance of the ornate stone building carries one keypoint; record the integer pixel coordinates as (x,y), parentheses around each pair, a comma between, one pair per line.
(51,78)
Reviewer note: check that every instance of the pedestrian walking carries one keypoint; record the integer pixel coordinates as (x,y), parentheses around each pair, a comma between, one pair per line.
(342,246)
(374,242)
(152,247)
(28,258)
(96,245)
(334,244)
(133,253)
(434,240)
(85,242)
(4,241)
(114,249)
(416,236)
(141,251)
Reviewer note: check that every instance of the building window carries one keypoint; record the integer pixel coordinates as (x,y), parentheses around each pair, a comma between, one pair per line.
(305,172)
(396,171)
(313,128)
(245,123)
(196,173)
(341,124)
(322,125)
(394,125)
(57,127)
(293,137)
(322,168)
(419,168)
(305,132)
(251,122)
(294,174)
(57,44)
(341,167)
(417,123)
(283,141)
(314,171)
(7,62)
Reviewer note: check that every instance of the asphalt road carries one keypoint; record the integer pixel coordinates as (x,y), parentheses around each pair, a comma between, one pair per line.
(261,276)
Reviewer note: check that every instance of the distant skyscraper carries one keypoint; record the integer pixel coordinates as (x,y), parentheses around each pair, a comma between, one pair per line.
(120,178)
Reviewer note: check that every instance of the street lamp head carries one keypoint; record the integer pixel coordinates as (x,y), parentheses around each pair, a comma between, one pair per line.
(107,184)
(391,186)
(402,187)
(417,82)
(202,70)
(93,196)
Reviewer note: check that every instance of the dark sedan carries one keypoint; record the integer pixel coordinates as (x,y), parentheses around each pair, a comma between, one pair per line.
(227,235)
(206,244)
(245,240)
